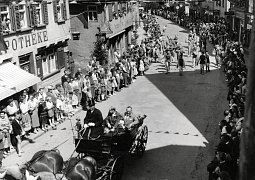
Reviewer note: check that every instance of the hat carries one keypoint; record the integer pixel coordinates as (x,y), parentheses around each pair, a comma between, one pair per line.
(91,103)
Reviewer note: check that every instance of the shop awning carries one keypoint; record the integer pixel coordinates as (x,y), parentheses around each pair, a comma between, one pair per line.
(14,79)
(115,34)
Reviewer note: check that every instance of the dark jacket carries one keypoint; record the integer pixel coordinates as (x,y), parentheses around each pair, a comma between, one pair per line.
(16,129)
(97,118)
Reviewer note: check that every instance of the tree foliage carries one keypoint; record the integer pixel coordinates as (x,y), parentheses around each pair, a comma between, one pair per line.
(100,52)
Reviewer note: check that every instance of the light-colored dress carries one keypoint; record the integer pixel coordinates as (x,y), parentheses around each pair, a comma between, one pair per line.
(141,67)
(5,127)
(26,119)
(34,116)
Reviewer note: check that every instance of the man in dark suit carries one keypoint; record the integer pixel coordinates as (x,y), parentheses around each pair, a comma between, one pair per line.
(93,122)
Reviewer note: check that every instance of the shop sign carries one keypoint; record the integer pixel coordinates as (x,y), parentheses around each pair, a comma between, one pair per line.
(20,42)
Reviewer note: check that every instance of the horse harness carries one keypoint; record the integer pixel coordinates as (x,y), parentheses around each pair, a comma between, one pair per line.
(34,160)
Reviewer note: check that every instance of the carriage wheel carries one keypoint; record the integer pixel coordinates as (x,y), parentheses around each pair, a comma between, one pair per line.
(117,169)
(142,141)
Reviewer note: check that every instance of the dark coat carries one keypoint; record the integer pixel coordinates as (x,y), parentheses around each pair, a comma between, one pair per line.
(16,129)
(97,118)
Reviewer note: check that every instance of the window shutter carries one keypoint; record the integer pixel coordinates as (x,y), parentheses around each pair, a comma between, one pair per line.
(110,12)
(55,10)
(1,28)
(12,18)
(64,10)
(45,12)
(116,7)
(33,14)
(17,17)
(28,14)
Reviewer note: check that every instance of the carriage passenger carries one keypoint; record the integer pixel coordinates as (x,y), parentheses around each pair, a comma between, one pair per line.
(130,119)
(112,121)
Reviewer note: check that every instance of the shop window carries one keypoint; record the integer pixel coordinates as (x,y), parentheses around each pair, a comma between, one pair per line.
(92,13)
(52,62)
(45,66)
(24,62)
(5,19)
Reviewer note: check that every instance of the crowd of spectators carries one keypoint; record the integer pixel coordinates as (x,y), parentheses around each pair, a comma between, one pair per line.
(30,111)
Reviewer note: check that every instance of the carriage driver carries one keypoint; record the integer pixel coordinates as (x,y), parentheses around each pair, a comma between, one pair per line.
(93,122)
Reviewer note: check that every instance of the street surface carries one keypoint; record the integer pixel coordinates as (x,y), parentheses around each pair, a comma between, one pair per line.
(182,117)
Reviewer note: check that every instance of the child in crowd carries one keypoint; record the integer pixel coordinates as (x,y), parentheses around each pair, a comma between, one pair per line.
(50,106)
(75,100)
(59,104)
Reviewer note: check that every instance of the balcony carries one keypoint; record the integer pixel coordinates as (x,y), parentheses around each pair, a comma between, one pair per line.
(117,25)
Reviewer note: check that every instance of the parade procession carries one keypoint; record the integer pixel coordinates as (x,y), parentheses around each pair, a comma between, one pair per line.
(127,89)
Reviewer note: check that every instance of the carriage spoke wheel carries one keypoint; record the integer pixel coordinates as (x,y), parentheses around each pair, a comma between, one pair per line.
(117,169)
(142,141)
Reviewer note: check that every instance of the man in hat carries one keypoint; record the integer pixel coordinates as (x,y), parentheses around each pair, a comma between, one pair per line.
(93,122)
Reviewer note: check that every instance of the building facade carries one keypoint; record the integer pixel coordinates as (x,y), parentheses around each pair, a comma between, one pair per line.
(36,33)
(114,20)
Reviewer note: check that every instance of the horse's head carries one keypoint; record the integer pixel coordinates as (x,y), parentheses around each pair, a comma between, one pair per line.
(80,169)
(92,160)
(46,160)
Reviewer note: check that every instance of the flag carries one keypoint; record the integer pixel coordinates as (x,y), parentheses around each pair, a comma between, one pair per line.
(83,17)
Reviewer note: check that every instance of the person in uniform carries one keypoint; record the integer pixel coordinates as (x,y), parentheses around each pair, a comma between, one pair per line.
(93,122)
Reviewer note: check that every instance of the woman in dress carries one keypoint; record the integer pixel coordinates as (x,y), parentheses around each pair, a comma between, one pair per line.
(5,128)
(141,67)
(50,107)
(25,116)
(33,111)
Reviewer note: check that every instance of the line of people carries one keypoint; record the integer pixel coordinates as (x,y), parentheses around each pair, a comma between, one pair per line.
(225,164)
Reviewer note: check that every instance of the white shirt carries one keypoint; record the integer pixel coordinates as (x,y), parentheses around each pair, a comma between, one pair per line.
(12,109)
(116,56)
(24,107)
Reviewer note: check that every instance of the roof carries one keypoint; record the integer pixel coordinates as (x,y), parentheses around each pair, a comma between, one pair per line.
(14,79)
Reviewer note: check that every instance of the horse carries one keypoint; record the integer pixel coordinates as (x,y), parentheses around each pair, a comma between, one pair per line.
(74,169)
(80,169)
(46,161)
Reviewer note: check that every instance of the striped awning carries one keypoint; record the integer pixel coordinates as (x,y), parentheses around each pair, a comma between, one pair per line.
(14,79)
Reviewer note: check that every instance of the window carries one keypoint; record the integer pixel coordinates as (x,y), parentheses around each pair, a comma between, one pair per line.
(52,62)
(59,8)
(45,67)
(92,13)
(5,19)
(38,14)
(59,11)
(22,16)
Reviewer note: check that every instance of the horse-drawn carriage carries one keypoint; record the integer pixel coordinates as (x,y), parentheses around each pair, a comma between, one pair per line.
(109,150)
